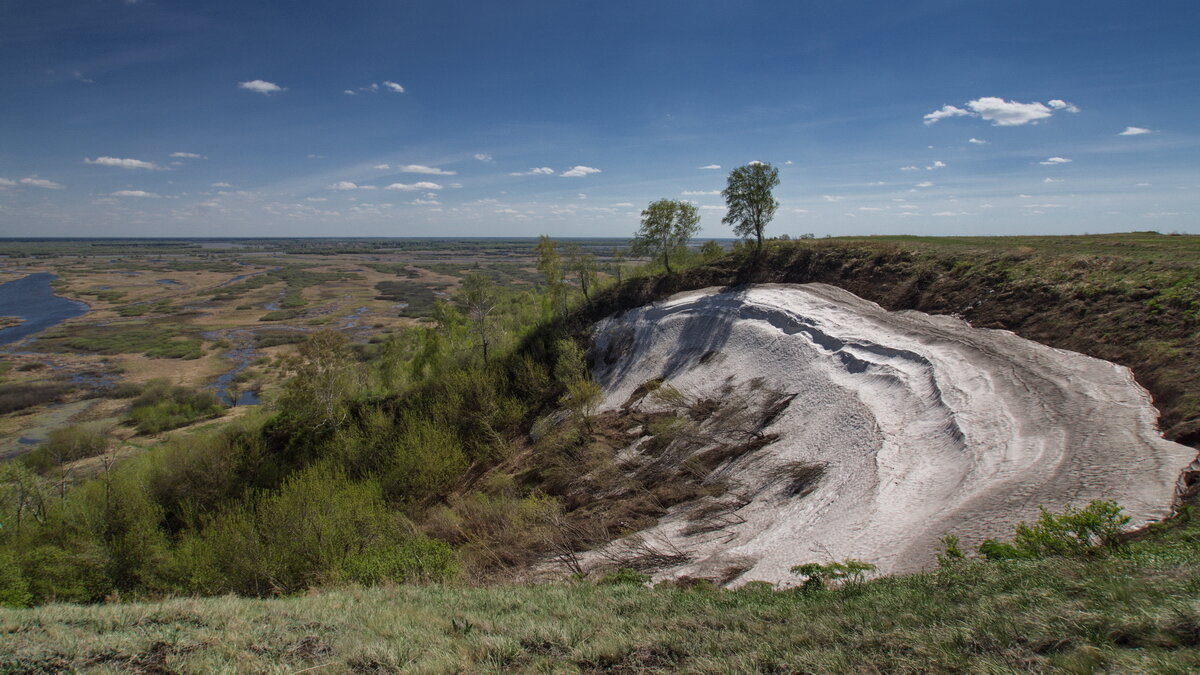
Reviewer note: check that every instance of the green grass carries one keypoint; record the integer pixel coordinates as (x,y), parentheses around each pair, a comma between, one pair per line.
(161,341)
(1136,611)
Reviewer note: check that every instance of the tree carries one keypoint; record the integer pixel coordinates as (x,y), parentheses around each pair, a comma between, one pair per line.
(583,264)
(749,201)
(550,265)
(617,263)
(667,225)
(478,298)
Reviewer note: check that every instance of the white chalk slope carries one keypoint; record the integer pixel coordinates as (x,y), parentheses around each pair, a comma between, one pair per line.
(927,426)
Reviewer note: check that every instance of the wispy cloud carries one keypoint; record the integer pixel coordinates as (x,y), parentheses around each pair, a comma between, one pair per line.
(375,88)
(393,87)
(484,157)
(977,141)
(408,187)
(538,171)
(924,184)
(696,193)
(578,171)
(123,163)
(6,182)
(937,164)
(1002,113)
(1135,131)
(187,155)
(421,168)
(260,87)
(945,111)
(710,166)
(44,183)
(909,168)
(1051,161)
(221,184)
(142,194)
(348,185)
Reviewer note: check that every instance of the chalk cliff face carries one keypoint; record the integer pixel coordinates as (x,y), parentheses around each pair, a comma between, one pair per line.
(891,429)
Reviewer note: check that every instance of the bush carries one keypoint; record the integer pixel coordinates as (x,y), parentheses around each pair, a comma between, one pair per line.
(1075,532)
(161,407)
(624,577)
(14,397)
(419,560)
(14,590)
(68,445)
(818,577)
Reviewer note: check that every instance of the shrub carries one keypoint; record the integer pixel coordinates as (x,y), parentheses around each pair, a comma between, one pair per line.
(14,397)
(14,590)
(818,577)
(68,445)
(161,407)
(1075,532)
(418,560)
(624,577)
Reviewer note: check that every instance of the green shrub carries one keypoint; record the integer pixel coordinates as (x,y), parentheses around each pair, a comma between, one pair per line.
(419,560)
(161,407)
(1075,532)
(624,576)
(818,577)
(14,590)
(68,445)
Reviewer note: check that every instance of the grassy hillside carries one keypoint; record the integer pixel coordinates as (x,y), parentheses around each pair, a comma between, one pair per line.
(417,458)
(1132,611)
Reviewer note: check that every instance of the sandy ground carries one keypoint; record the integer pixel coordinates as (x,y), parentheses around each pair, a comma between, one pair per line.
(925,425)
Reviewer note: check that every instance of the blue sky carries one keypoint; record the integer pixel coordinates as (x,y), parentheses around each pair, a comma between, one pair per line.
(390,118)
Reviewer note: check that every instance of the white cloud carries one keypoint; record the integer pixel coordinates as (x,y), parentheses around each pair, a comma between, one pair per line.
(316,199)
(383,167)
(421,168)
(909,168)
(1143,185)
(5,182)
(1051,161)
(945,111)
(1002,113)
(348,92)
(579,171)
(134,193)
(409,187)
(221,185)
(832,198)
(484,157)
(347,185)
(788,163)
(800,210)
(694,193)
(623,204)
(1135,131)
(123,163)
(539,171)
(1059,104)
(710,166)
(937,164)
(393,87)
(1052,180)
(712,208)
(871,208)
(946,214)
(425,202)
(924,184)
(260,87)
(977,141)
(506,211)
(756,163)
(187,155)
(34,181)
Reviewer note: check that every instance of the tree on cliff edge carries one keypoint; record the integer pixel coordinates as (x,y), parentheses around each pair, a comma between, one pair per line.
(749,200)
(667,226)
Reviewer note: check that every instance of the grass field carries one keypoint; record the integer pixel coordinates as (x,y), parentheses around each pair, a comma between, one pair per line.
(1135,611)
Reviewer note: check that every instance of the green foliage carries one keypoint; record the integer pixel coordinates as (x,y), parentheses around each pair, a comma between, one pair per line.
(1075,532)
(477,299)
(624,576)
(818,577)
(951,551)
(14,590)
(151,339)
(68,445)
(418,560)
(710,250)
(749,200)
(584,266)
(14,397)
(162,407)
(667,226)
